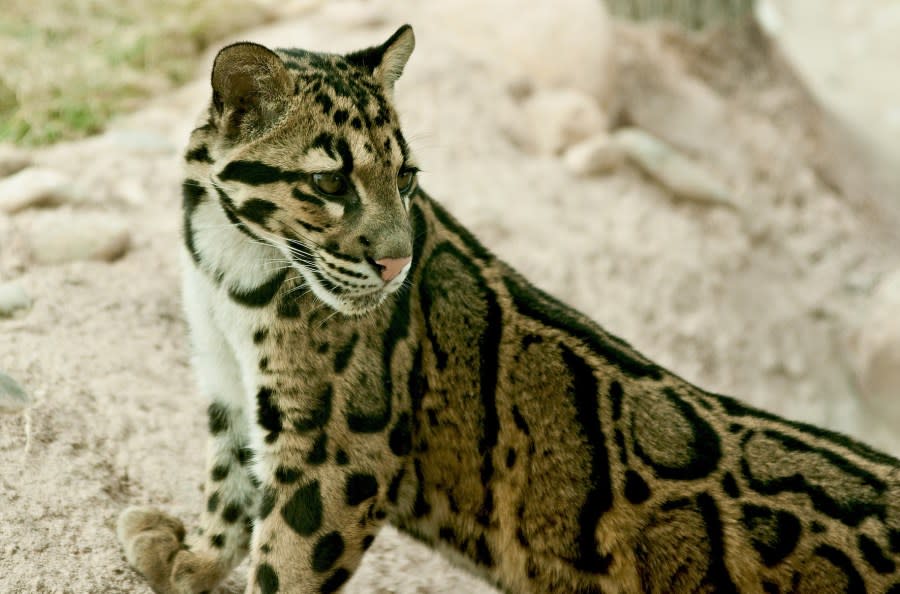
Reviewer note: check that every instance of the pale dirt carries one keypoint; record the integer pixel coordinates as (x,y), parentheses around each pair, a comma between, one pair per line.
(762,301)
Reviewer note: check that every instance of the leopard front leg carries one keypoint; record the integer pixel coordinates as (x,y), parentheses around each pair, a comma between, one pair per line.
(155,543)
(321,507)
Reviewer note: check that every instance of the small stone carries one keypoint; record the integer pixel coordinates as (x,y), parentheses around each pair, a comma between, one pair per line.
(12,159)
(13,398)
(555,120)
(61,236)
(12,298)
(595,156)
(685,179)
(34,187)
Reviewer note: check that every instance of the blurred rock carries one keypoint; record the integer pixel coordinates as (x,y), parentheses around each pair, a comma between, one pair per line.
(579,32)
(685,179)
(13,298)
(140,141)
(13,159)
(13,398)
(35,187)
(878,351)
(552,121)
(595,156)
(60,236)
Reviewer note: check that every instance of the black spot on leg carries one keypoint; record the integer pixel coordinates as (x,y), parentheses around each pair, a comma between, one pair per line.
(360,487)
(266,502)
(266,579)
(231,513)
(341,458)
(333,583)
(367,541)
(287,475)
(320,413)
(217,540)
(319,452)
(260,335)
(219,472)
(264,364)
(218,418)
(213,502)
(268,415)
(303,511)
(327,551)
(242,454)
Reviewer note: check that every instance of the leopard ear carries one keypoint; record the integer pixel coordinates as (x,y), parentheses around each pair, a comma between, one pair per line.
(251,89)
(387,60)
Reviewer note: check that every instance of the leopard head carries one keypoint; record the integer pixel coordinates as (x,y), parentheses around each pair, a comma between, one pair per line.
(310,159)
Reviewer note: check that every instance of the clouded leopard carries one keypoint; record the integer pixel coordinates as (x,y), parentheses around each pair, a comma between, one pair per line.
(369,361)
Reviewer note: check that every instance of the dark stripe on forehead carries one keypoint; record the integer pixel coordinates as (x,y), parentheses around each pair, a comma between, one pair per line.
(324,141)
(401,142)
(343,150)
(256,173)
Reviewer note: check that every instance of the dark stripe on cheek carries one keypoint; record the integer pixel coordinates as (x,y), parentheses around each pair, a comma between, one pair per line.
(257,210)
(228,207)
(309,198)
(201,153)
(193,195)
(259,296)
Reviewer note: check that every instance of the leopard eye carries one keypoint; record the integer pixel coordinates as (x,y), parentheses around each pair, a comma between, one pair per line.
(405,180)
(332,183)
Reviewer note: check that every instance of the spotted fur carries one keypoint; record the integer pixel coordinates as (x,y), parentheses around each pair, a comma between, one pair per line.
(455,400)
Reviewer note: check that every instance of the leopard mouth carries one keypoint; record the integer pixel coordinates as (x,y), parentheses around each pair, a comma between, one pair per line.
(348,291)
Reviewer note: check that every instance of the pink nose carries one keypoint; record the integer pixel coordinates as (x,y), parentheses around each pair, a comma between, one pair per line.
(391,267)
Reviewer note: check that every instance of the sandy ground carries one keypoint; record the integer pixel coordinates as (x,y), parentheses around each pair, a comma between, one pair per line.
(766,297)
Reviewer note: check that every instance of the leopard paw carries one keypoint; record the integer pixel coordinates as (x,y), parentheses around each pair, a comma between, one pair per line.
(154,545)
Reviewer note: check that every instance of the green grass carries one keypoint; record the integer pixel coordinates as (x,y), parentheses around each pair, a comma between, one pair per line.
(70,65)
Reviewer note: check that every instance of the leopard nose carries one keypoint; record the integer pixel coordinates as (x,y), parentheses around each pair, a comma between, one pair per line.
(391,267)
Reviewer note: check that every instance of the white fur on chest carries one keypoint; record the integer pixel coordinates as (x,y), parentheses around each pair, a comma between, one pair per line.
(225,356)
